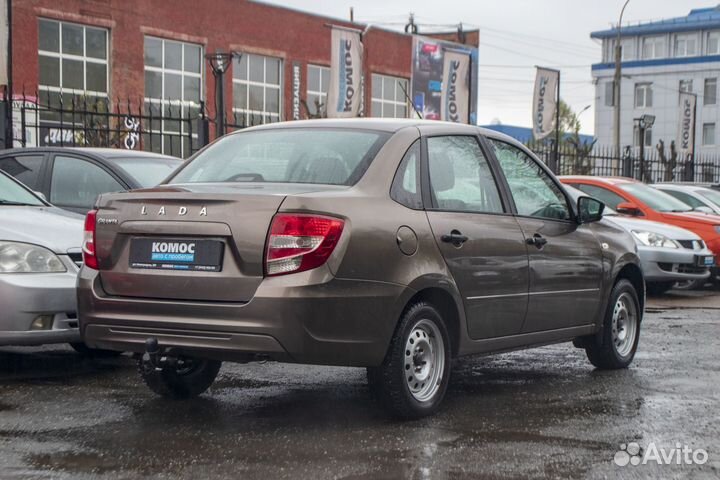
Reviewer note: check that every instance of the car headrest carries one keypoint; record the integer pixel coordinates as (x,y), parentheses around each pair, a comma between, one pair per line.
(442,172)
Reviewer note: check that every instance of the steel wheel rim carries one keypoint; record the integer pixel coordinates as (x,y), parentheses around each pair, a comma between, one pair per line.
(424,361)
(624,324)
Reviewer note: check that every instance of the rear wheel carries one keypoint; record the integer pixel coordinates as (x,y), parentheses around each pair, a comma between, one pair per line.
(189,378)
(413,378)
(619,338)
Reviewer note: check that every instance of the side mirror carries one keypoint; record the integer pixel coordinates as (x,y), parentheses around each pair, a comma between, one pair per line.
(589,210)
(628,208)
(703,209)
(40,194)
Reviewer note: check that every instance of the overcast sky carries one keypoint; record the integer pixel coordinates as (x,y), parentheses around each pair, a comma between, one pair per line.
(515,35)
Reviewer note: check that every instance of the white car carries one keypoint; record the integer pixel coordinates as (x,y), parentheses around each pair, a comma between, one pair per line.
(698,197)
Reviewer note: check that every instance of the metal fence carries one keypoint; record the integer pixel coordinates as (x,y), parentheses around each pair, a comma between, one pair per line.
(660,163)
(56,119)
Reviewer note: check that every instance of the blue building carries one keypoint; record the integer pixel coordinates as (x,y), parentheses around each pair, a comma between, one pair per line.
(660,59)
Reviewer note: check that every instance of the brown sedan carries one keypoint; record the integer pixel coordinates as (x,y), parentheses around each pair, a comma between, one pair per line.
(391,245)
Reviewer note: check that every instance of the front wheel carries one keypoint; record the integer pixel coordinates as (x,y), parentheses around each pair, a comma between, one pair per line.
(189,378)
(691,284)
(618,341)
(413,378)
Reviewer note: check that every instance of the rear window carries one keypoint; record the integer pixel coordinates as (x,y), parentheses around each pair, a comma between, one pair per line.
(148,171)
(317,155)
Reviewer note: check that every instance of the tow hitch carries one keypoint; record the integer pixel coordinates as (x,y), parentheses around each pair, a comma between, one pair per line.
(154,359)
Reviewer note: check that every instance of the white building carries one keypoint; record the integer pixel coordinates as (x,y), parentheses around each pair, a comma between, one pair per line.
(660,59)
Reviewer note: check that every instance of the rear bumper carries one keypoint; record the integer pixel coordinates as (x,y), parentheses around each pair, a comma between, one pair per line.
(669,264)
(313,318)
(26,296)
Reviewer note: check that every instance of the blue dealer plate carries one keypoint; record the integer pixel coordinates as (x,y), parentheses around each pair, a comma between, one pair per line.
(176,254)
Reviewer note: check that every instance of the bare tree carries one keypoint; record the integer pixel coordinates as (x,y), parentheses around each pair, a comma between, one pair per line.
(668,164)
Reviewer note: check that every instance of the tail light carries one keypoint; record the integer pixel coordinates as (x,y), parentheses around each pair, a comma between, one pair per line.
(88,246)
(300,242)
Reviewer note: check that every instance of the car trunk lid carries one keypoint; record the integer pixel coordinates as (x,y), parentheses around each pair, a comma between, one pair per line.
(203,242)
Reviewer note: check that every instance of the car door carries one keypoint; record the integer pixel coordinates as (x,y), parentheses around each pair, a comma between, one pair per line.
(75,183)
(28,168)
(565,257)
(480,240)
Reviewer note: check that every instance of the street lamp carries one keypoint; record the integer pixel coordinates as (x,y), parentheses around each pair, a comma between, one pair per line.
(616,87)
(219,64)
(643,123)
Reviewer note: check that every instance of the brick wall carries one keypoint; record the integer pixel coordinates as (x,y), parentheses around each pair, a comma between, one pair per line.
(240,25)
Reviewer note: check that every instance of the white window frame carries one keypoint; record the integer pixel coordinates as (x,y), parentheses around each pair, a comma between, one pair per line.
(658,44)
(686,86)
(648,136)
(248,114)
(181,104)
(704,135)
(316,90)
(681,42)
(641,91)
(82,58)
(706,97)
(610,93)
(389,103)
(712,36)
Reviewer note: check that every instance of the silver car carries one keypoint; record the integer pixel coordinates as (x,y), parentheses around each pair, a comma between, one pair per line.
(697,196)
(670,256)
(39,260)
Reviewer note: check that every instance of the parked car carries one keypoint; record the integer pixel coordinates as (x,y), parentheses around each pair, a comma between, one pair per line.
(699,197)
(669,255)
(71,178)
(39,259)
(630,197)
(388,244)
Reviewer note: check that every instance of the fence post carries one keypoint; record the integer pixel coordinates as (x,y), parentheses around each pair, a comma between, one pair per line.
(203,128)
(5,125)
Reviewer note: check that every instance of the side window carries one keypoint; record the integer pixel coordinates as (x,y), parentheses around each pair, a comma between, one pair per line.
(77,183)
(685,198)
(534,192)
(460,177)
(406,186)
(25,168)
(609,198)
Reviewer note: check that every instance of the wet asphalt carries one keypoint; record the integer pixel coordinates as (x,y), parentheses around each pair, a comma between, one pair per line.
(530,414)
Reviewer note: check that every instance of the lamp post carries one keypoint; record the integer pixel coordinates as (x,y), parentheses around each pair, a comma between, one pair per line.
(616,88)
(643,123)
(220,63)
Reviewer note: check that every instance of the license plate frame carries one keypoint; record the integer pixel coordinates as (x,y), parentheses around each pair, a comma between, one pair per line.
(177,253)
(704,260)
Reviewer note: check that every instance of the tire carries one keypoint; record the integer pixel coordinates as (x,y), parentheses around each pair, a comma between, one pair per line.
(617,343)
(691,284)
(412,380)
(658,288)
(86,351)
(189,380)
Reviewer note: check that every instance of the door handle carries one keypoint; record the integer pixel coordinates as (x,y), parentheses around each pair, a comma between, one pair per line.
(455,237)
(538,240)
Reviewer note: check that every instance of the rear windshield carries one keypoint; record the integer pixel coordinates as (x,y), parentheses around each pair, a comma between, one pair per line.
(312,155)
(655,199)
(148,171)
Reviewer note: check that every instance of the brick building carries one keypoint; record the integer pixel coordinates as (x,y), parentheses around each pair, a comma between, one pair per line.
(150,53)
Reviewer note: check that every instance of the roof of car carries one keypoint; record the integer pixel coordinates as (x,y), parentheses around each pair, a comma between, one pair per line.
(608,180)
(372,123)
(108,153)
